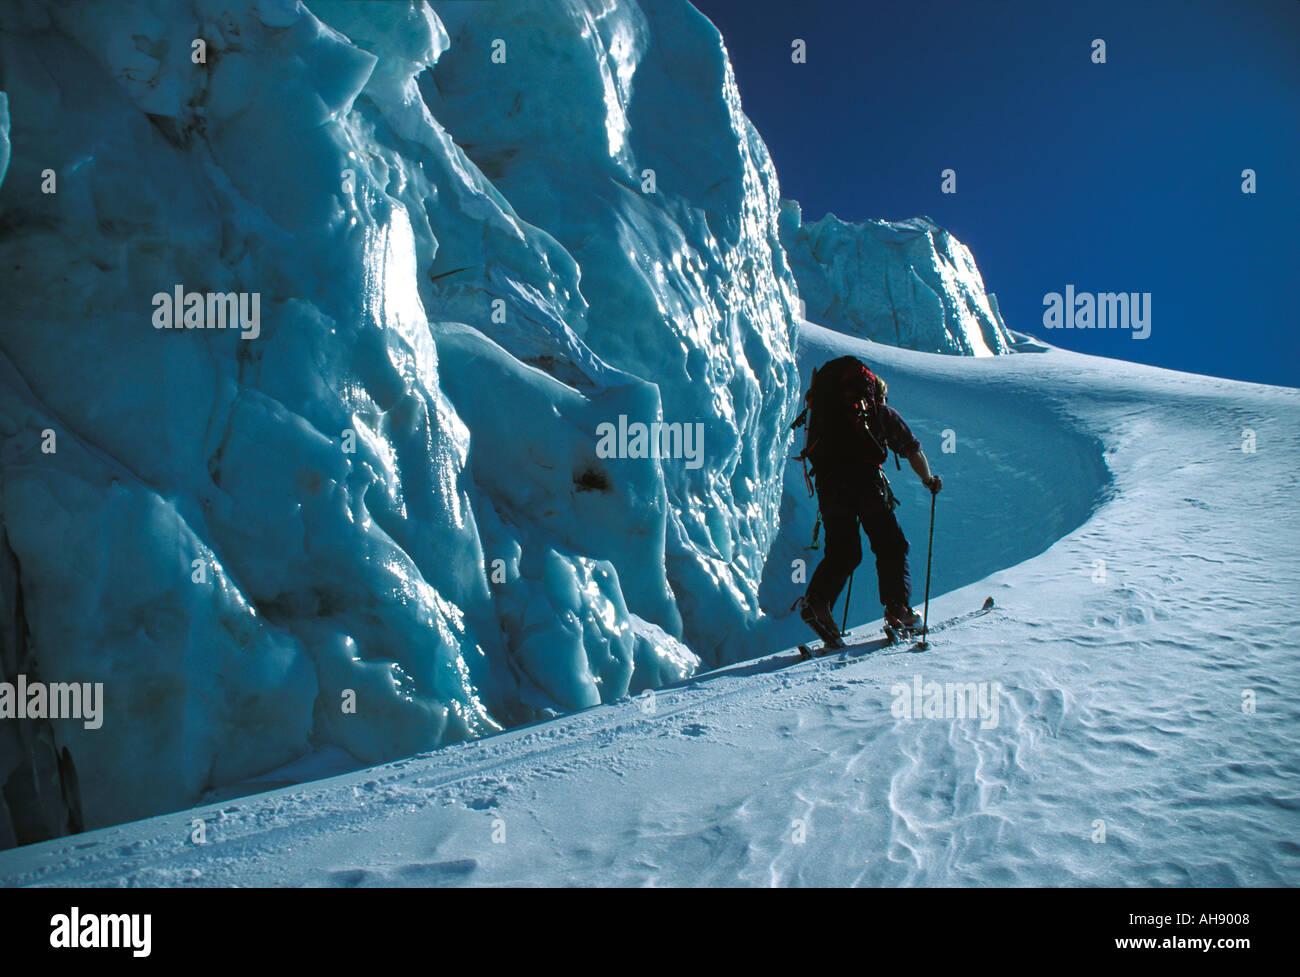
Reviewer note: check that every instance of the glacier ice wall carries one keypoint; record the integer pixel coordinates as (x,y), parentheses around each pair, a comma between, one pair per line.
(379,520)
(906,283)
(668,202)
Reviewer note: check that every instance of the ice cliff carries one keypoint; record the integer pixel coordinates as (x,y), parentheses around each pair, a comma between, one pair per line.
(314,315)
(375,518)
(906,283)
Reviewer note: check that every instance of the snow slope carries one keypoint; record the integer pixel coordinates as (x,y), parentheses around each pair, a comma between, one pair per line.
(1122,752)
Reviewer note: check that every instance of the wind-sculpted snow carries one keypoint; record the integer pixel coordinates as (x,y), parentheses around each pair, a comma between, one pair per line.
(906,283)
(374,517)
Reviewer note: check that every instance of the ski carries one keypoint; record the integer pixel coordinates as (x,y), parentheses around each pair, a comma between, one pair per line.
(845,644)
(895,636)
(819,649)
(816,649)
(963,618)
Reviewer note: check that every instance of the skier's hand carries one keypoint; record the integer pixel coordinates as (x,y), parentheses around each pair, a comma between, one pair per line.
(934,483)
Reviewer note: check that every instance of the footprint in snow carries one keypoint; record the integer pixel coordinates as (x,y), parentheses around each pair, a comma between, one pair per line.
(436,871)
(417,873)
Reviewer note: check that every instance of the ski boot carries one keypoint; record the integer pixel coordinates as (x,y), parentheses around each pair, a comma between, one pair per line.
(901,621)
(818,617)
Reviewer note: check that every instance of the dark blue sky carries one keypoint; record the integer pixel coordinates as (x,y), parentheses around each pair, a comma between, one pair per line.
(1117,177)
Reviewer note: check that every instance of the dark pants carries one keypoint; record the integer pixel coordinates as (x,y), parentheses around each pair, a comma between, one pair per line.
(844,505)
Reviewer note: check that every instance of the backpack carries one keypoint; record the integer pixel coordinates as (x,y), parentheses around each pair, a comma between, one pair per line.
(842,416)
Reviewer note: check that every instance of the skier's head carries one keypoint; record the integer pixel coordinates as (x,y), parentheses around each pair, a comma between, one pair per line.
(882,389)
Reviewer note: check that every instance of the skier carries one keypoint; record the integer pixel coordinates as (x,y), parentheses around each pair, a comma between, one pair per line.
(850,432)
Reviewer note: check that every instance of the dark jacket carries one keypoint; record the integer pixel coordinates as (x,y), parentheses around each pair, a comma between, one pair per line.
(858,458)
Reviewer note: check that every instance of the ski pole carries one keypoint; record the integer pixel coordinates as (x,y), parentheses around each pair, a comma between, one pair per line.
(925,622)
(847,597)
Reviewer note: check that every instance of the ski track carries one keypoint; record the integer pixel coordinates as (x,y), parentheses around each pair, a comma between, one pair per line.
(1122,704)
